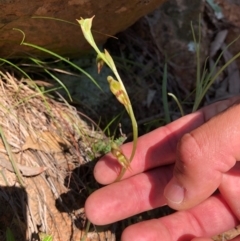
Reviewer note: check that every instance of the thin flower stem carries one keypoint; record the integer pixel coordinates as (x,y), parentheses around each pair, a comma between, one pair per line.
(118,89)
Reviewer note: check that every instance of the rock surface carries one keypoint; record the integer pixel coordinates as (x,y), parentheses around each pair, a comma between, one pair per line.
(59,36)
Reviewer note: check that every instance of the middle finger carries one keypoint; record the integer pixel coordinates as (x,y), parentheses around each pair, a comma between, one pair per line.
(128,197)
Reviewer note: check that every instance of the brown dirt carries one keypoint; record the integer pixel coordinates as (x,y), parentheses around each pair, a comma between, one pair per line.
(47,141)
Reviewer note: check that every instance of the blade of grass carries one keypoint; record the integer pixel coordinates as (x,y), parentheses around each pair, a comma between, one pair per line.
(197,49)
(11,158)
(210,78)
(204,82)
(164,95)
(34,95)
(28,77)
(178,103)
(111,122)
(48,238)
(9,235)
(16,67)
(57,56)
(84,238)
(68,22)
(55,19)
(4,177)
(53,76)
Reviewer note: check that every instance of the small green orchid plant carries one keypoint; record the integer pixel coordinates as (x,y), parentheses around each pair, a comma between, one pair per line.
(118,89)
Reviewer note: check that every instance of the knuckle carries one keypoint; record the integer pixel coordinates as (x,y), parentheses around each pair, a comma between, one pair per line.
(189,151)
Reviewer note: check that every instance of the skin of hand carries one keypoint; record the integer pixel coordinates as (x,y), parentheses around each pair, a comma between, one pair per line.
(181,164)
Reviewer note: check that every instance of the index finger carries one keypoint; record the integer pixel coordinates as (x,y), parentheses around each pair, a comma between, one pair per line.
(158,147)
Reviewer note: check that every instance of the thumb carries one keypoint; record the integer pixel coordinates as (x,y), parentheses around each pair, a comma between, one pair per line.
(203,155)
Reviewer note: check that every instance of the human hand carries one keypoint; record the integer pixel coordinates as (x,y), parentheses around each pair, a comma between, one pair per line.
(204,150)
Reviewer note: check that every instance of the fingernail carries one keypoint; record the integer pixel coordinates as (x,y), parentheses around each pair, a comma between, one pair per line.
(174,193)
